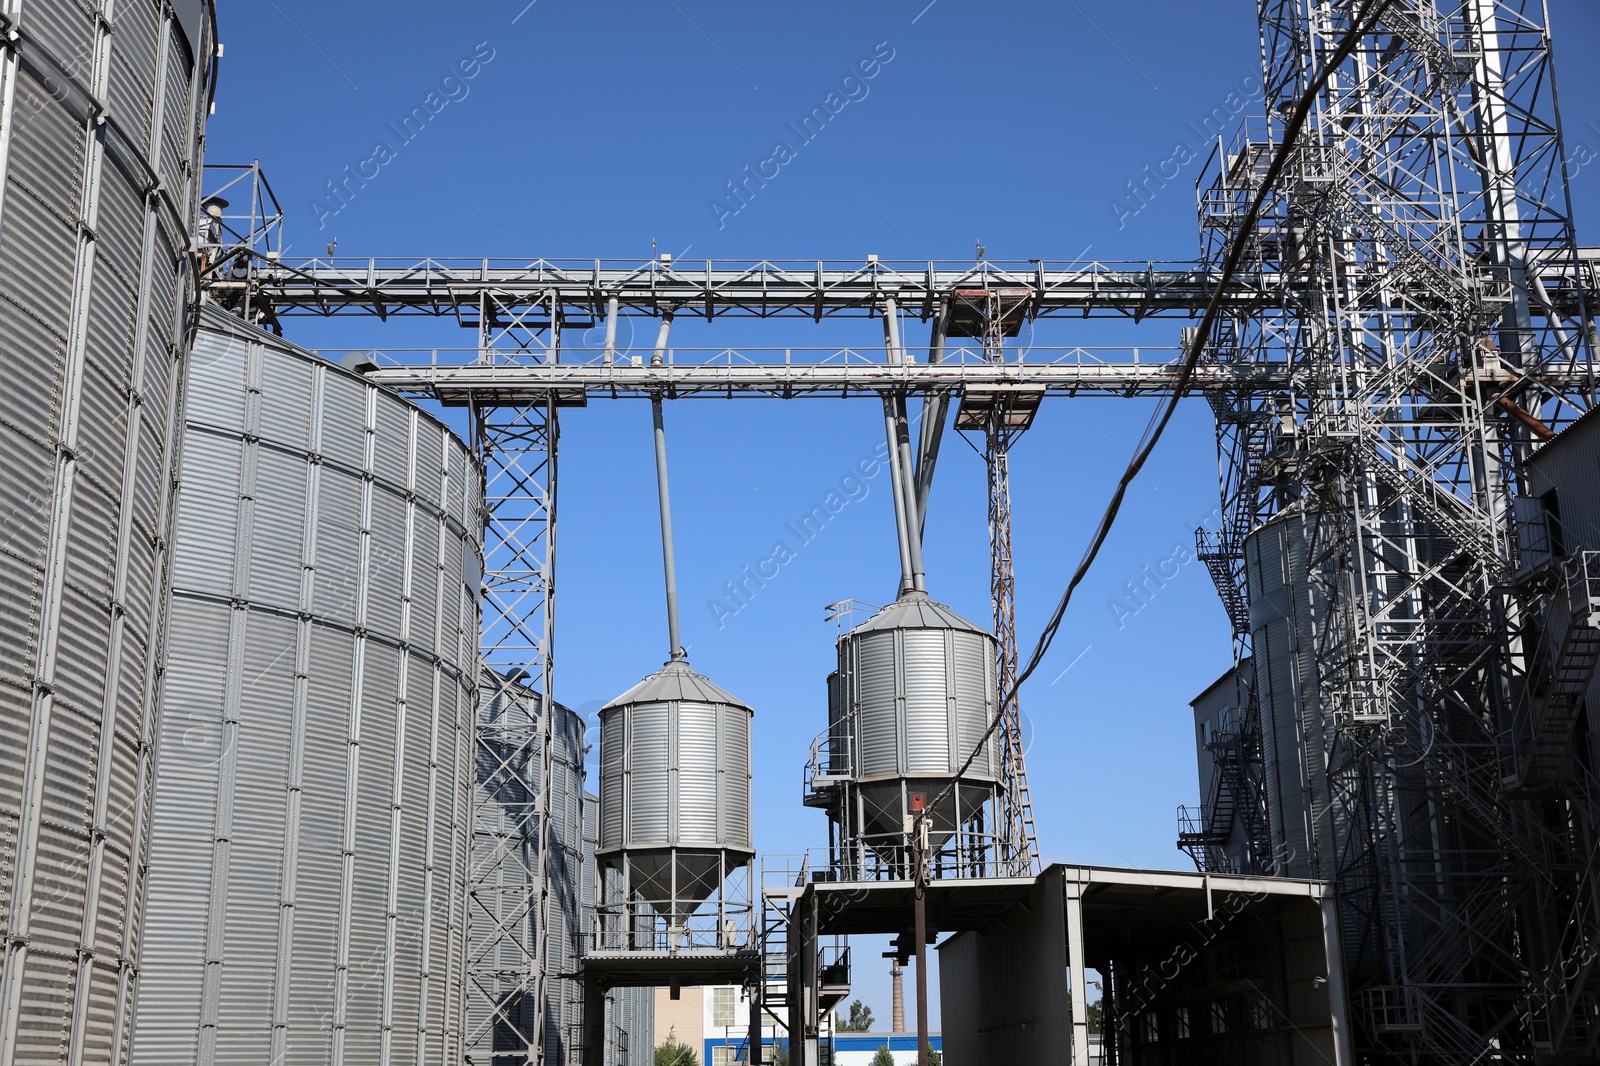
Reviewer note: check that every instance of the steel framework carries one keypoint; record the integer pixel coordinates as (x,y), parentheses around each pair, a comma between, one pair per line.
(1412,303)
(1414,245)
(507,971)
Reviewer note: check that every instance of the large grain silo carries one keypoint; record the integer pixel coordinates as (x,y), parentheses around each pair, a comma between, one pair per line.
(675,793)
(102,114)
(309,832)
(505,847)
(911,744)
(914,696)
(675,788)
(1295,732)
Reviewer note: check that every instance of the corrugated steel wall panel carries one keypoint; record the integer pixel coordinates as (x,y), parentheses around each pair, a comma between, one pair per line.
(977,702)
(613,797)
(877,703)
(75,224)
(927,710)
(735,772)
(650,792)
(699,757)
(322,736)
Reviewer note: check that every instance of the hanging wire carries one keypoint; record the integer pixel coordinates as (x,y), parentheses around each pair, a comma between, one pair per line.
(1361,25)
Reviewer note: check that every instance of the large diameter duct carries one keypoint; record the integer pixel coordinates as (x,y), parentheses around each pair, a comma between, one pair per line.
(102,111)
(309,827)
(915,693)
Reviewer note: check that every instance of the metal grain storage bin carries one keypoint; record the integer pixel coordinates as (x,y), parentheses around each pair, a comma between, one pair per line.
(916,691)
(1295,735)
(309,830)
(505,855)
(102,110)
(675,788)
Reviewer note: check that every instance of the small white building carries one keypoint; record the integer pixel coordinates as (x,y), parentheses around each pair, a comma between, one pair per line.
(715,1021)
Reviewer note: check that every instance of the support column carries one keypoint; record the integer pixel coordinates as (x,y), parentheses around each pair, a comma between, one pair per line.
(594,1021)
(1080,984)
(1338,1004)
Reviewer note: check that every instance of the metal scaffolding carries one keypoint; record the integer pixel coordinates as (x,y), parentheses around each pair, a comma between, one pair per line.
(1415,239)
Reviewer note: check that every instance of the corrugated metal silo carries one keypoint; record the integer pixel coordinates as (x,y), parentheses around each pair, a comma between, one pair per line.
(505,840)
(102,112)
(1294,733)
(309,830)
(675,788)
(916,691)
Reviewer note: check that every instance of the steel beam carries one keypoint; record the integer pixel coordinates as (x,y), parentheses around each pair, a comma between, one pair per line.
(794,373)
(584,290)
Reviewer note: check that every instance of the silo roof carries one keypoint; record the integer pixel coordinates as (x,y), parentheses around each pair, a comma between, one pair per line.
(676,681)
(916,611)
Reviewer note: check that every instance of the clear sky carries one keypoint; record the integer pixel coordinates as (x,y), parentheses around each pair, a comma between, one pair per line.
(591,130)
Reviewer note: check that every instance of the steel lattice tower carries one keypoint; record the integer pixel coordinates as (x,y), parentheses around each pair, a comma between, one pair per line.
(1421,205)
(990,314)
(507,979)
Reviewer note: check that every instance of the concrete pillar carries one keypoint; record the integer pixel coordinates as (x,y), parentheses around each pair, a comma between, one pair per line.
(1080,984)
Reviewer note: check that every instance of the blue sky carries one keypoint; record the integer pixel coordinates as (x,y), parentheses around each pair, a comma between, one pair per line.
(590,130)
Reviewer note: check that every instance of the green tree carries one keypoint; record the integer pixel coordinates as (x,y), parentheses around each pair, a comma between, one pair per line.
(1096,1013)
(675,1052)
(935,1058)
(859,1021)
(883,1057)
(779,1055)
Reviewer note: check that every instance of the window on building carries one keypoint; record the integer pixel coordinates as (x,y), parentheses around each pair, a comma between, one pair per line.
(1219,1017)
(722,1007)
(1152,1027)
(1260,1012)
(722,1055)
(1182,1026)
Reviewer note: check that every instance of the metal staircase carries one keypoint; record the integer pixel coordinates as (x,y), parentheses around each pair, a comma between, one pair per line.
(1573,673)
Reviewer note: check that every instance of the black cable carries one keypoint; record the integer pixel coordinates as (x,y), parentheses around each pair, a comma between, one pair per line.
(1363,23)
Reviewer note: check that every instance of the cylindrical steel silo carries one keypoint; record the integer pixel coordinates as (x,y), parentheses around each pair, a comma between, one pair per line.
(1295,735)
(505,855)
(102,113)
(309,830)
(916,691)
(675,788)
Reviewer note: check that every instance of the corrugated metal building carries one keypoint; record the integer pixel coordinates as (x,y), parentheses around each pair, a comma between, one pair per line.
(102,113)
(308,842)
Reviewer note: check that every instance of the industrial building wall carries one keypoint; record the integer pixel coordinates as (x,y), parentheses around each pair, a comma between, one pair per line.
(102,113)
(308,842)
(1003,989)
(1564,475)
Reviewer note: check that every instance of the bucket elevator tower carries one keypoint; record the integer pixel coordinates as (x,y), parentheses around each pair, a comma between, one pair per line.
(1416,242)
